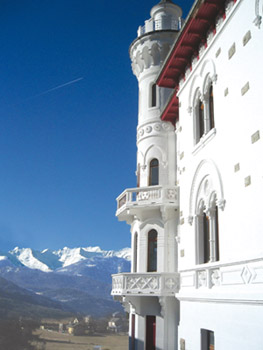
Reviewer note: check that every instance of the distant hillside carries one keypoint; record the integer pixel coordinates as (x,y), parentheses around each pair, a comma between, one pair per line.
(17,302)
(81,287)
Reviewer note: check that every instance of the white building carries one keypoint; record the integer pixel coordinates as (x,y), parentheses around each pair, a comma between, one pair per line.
(205,139)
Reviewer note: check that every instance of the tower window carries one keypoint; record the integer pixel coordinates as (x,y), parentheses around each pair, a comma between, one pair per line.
(135,252)
(152,251)
(138,175)
(154,172)
(153,96)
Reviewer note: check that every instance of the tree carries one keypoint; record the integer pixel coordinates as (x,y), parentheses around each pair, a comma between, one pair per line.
(17,334)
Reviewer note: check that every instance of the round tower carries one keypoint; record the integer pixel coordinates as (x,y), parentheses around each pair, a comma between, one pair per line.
(148,52)
(152,208)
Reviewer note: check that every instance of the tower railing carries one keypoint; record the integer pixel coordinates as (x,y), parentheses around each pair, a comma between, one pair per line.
(166,23)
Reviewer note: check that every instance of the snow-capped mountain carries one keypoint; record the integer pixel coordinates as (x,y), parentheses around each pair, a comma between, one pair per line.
(78,278)
(50,260)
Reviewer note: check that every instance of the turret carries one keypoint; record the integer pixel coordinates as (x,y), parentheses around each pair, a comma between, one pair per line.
(152,207)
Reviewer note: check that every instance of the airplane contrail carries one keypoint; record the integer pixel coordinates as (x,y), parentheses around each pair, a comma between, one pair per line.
(58,87)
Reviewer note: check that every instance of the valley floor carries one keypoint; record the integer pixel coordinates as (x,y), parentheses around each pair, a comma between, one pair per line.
(63,341)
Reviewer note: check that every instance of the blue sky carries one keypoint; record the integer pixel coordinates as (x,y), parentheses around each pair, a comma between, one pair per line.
(66,154)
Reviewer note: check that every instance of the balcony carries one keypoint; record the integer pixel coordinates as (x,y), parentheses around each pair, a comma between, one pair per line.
(145,284)
(132,200)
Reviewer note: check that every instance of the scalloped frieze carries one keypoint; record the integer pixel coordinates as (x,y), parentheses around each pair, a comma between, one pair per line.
(149,55)
(153,129)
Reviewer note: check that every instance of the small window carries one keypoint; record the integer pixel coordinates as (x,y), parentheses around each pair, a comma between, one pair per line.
(153,97)
(211,108)
(207,340)
(201,120)
(152,251)
(154,173)
(135,252)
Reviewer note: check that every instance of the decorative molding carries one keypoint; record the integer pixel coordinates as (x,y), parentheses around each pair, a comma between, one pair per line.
(150,51)
(220,300)
(200,82)
(245,89)
(223,275)
(232,51)
(153,129)
(206,182)
(246,38)
(160,284)
(255,137)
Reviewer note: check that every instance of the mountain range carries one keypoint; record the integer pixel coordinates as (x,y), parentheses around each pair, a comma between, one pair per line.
(69,280)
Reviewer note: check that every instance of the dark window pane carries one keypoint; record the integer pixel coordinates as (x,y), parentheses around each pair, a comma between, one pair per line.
(152,251)
(211,108)
(153,99)
(154,173)
(206,235)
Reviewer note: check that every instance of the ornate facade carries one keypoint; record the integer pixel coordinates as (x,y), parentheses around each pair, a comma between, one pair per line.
(195,216)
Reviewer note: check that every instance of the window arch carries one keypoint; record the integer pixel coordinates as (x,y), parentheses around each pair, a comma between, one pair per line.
(154,172)
(152,251)
(204,118)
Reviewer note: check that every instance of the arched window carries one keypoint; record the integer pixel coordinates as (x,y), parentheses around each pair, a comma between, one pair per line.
(135,252)
(205,239)
(153,95)
(211,108)
(207,236)
(204,120)
(201,120)
(154,172)
(152,251)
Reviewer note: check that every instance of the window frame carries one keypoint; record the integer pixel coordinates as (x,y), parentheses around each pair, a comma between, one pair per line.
(207,233)
(152,260)
(207,339)
(154,167)
(153,95)
(203,113)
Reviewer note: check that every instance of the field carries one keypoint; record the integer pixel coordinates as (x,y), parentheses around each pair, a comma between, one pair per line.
(63,341)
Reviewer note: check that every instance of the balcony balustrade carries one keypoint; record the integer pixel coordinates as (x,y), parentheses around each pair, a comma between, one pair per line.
(145,284)
(166,23)
(134,199)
